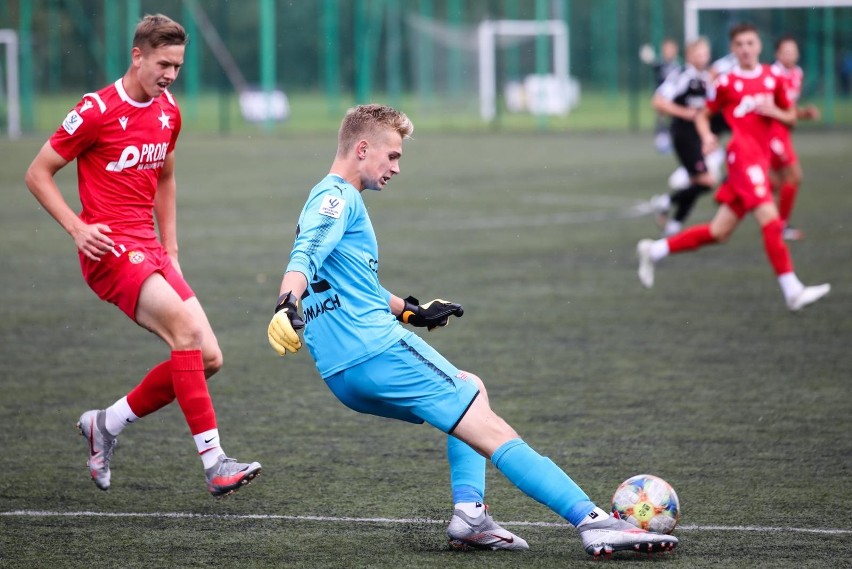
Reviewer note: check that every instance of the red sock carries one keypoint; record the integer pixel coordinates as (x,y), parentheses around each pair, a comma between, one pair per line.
(691,238)
(776,249)
(154,392)
(786,199)
(190,387)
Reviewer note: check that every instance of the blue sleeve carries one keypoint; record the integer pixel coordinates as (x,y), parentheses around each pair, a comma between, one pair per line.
(321,226)
(386,293)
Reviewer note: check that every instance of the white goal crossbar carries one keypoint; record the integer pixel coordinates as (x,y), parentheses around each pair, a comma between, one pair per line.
(691,8)
(488,32)
(13,93)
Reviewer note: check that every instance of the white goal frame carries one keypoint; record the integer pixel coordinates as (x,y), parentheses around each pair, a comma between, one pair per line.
(691,8)
(13,93)
(488,32)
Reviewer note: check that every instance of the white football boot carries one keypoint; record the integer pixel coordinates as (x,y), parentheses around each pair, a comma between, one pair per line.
(809,295)
(646,263)
(481,532)
(227,475)
(614,534)
(101,446)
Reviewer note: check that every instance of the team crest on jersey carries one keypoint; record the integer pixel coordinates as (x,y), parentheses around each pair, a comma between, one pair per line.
(738,85)
(769,82)
(135,257)
(72,122)
(332,206)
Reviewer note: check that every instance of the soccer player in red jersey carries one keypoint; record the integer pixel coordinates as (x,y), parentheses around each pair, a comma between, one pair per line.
(123,138)
(751,97)
(785,171)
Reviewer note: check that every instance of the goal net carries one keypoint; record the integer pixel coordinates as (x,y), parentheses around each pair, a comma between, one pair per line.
(492,66)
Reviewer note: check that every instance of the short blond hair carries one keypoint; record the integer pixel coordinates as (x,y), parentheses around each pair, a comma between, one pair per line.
(700,40)
(365,121)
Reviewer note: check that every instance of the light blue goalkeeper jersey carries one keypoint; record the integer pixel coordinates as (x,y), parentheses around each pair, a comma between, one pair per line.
(346,312)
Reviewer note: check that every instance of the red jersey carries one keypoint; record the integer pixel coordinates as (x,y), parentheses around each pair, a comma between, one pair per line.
(794,77)
(120,146)
(737,95)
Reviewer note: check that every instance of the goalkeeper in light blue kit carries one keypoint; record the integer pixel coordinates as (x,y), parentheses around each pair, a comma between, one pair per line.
(373,364)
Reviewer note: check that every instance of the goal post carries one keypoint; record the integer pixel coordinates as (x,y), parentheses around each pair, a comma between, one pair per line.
(490,30)
(13,92)
(691,8)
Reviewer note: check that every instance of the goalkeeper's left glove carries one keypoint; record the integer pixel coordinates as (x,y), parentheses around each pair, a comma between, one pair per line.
(282,329)
(431,315)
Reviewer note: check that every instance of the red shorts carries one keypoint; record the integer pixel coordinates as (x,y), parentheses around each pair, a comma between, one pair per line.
(118,276)
(783,153)
(747,185)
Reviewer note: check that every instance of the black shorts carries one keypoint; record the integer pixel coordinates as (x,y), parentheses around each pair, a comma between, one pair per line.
(687,146)
(718,125)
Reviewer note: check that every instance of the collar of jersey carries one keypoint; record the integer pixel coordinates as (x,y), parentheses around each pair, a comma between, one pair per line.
(754,73)
(126,98)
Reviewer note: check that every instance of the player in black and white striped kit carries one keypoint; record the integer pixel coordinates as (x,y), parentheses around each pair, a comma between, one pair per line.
(682,96)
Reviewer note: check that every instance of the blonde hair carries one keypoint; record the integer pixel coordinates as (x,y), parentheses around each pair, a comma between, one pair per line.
(157,30)
(700,40)
(365,121)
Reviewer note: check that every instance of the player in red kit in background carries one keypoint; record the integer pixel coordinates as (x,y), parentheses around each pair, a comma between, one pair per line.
(785,171)
(123,138)
(751,97)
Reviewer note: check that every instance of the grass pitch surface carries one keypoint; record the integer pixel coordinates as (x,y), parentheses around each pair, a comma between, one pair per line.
(706,380)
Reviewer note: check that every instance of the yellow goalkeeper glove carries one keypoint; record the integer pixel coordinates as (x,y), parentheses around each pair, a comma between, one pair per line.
(282,329)
(433,314)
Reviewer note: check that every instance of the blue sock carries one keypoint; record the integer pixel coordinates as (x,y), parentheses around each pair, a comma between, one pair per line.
(539,478)
(467,471)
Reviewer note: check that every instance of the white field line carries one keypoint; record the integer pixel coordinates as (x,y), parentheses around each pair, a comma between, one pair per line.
(338,519)
(538,220)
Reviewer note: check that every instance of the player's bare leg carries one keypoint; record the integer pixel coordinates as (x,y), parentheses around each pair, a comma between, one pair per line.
(195,356)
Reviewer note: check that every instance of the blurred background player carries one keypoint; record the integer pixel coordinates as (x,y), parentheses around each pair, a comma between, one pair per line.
(752,97)
(667,62)
(123,138)
(679,179)
(681,96)
(785,170)
(374,365)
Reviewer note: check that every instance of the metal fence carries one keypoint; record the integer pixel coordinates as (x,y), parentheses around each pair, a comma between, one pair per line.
(353,50)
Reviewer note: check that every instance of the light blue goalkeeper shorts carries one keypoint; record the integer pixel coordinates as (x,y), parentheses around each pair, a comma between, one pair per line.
(409,381)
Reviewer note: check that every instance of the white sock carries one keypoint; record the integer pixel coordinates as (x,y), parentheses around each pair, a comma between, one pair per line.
(118,416)
(595,515)
(659,250)
(672,227)
(472,509)
(679,179)
(791,286)
(208,447)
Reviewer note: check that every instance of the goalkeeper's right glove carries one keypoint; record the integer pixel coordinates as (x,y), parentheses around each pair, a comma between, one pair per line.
(282,329)
(433,314)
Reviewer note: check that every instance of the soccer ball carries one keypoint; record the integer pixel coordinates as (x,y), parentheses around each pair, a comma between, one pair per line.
(648,502)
